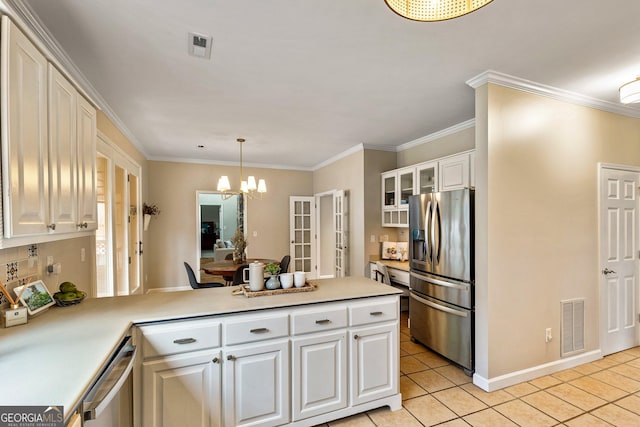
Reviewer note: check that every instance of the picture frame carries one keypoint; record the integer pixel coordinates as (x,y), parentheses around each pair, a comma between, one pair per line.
(35,296)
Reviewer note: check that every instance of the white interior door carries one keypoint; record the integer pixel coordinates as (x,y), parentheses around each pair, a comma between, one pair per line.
(339,228)
(302,234)
(618,259)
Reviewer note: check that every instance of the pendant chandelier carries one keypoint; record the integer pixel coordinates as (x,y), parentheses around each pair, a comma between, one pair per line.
(248,187)
(630,92)
(434,10)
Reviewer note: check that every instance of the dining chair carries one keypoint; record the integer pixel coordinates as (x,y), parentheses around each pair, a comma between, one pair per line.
(284,264)
(382,275)
(238,276)
(194,282)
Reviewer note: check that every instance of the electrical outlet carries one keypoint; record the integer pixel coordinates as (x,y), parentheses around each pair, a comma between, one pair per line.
(49,260)
(373,238)
(548,337)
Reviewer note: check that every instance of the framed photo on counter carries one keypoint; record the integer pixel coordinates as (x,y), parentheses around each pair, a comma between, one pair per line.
(35,296)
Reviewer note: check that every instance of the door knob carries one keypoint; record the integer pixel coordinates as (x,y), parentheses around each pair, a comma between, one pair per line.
(607,271)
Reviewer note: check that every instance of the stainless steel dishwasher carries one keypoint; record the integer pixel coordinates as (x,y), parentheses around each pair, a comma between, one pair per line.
(109,401)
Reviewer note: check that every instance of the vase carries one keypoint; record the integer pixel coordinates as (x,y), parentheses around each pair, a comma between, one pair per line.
(273,283)
(147,220)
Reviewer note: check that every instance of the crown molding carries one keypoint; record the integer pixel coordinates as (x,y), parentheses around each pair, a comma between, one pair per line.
(29,21)
(506,80)
(354,149)
(225,163)
(437,135)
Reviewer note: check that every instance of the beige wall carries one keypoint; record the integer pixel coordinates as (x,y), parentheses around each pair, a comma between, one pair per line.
(537,196)
(458,142)
(376,162)
(172,236)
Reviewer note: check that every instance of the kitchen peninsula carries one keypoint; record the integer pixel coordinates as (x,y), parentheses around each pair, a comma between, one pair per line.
(54,358)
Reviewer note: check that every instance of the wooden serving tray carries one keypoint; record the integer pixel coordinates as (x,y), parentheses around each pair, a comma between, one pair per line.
(244,290)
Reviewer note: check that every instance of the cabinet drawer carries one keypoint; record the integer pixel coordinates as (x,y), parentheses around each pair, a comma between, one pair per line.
(372,312)
(179,337)
(306,321)
(398,276)
(255,328)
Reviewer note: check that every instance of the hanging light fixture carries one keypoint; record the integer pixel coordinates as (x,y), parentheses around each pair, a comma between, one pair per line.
(434,10)
(248,187)
(630,92)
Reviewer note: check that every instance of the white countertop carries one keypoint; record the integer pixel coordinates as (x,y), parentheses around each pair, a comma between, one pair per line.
(56,356)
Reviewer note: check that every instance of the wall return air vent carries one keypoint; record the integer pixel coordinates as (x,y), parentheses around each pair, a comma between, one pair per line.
(200,45)
(572,335)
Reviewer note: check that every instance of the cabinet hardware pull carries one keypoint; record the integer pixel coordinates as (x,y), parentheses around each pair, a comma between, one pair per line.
(231,357)
(82,225)
(184,341)
(259,330)
(215,360)
(323,321)
(355,337)
(52,227)
(376,313)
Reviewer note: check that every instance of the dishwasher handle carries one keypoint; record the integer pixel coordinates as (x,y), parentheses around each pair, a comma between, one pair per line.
(112,380)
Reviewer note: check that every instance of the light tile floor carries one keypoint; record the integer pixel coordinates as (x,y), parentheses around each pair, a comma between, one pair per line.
(434,392)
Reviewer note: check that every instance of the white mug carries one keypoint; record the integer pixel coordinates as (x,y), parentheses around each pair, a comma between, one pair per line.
(286,280)
(299,278)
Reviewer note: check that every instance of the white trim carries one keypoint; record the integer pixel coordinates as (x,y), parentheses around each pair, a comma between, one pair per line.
(226,163)
(524,85)
(527,374)
(437,135)
(354,149)
(628,168)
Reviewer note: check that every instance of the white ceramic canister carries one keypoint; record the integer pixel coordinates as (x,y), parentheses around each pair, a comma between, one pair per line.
(286,280)
(256,276)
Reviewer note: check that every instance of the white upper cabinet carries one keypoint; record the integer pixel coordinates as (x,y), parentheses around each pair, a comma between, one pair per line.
(23,112)
(454,172)
(444,174)
(48,144)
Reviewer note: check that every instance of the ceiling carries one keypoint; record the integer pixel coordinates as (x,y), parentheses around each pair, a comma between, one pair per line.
(305,80)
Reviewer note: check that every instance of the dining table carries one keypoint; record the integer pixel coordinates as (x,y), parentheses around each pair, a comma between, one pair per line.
(227,268)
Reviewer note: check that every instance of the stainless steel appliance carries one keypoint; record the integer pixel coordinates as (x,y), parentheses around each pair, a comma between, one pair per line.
(109,401)
(441,256)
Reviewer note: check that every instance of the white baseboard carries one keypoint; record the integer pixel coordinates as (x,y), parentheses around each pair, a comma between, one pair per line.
(512,378)
(176,288)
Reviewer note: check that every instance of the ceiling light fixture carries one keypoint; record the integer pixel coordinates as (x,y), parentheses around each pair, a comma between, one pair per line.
(434,10)
(247,187)
(630,92)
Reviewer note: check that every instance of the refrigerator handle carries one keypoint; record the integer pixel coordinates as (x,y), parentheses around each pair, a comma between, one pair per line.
(437,233)
(427,233)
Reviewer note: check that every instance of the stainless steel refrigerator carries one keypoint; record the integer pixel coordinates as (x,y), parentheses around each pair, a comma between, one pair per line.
(441,255)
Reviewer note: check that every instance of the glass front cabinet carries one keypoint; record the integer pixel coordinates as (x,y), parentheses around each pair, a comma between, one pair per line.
(397,187)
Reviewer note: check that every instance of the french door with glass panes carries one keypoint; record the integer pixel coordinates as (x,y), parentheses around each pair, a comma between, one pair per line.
(118,237)
(302,234)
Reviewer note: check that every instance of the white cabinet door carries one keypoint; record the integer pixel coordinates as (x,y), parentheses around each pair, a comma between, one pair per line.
(24,134)
(373,362)
(454,172)
(87,136)
(426,178)
(405,186)
(182,390)
(389,196)
(62,152)
(256,384)
(319,369)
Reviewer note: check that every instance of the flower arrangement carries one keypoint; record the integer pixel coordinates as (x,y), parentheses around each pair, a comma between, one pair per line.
(240,244)
(150,209)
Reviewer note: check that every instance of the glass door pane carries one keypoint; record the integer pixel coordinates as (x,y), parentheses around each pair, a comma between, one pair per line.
(134,235)
(406,188)
(427,179)
(302,220)
(389,188)
(120,219)
(103,248)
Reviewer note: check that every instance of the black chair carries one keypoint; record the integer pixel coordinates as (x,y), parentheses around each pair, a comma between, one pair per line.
(238,276)
(284,264)
(194,282)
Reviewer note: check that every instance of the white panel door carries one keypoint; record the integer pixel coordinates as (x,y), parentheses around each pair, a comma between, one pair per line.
(319,369)
(619,259)
(24,134)
(182,390)
(302,233)
(256,384)
(341,235)
(63,188)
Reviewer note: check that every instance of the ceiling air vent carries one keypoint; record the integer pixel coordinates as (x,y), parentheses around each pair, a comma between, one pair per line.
(199,45)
